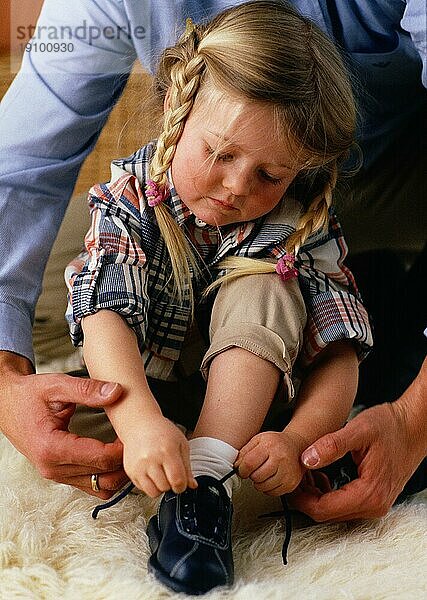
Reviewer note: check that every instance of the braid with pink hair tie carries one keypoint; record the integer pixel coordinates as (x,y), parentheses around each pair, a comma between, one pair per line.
(285,267)
(155,193)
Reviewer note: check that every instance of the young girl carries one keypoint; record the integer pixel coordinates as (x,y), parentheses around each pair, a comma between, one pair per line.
(258,114)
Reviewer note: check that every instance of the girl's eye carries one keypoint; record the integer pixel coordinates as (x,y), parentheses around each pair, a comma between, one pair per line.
(223,157)
(270,178)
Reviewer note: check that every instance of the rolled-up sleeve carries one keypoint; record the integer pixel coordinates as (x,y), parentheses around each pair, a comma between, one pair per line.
(334,307)
(110,272)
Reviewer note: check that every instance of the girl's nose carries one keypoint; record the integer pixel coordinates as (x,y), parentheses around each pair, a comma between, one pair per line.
(236,180)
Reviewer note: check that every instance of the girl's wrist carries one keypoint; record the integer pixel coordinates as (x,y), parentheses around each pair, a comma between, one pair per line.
(133,413)
(301,441)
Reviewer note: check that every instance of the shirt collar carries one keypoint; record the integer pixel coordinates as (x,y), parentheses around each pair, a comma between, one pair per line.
(179,210)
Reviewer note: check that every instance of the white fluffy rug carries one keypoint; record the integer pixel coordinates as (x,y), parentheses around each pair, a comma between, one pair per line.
(51,548)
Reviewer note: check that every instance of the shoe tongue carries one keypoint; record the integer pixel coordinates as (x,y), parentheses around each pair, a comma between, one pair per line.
(209,510)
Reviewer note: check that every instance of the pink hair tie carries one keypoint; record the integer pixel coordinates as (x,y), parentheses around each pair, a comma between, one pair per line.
(155,194)
(285,267)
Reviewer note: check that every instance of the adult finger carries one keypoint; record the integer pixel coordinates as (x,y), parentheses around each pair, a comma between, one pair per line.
(85,454)
(321,481)
(347,503)
(107,482)
(333,446)
(80,390)
(315,480)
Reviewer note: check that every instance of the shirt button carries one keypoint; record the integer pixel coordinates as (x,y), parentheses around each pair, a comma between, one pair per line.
(199,222)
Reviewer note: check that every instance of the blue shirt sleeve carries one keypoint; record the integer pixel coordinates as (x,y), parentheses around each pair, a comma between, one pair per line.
(414,22)
(50,120)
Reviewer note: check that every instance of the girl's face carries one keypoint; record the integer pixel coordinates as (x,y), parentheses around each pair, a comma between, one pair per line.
(229,165)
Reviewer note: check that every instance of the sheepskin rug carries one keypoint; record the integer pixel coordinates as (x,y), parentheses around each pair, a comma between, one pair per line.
(51,548)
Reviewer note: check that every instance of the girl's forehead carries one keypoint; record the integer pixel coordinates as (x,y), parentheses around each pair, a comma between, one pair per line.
(233,117)
(235,122)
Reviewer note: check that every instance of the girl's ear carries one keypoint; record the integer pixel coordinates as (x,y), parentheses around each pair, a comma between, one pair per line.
(166,101)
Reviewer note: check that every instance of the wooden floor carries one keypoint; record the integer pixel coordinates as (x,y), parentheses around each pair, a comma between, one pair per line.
(132,123)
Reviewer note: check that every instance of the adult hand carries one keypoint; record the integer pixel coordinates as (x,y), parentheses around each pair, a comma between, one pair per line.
(34,414)
(386,447)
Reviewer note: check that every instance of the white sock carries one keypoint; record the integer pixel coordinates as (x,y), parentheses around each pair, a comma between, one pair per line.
(209,456)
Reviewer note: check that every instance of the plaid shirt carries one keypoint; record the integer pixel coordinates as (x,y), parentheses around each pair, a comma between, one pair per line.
(125,266)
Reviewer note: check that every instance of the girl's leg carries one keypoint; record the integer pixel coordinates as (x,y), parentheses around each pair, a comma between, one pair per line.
(240,389)
(256,333)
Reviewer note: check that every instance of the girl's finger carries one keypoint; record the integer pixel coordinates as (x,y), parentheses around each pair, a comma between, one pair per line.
(272,487)
(264,472)
(185,454)
(147,485)
(252,461)
(253,442)
(176,475)
(158,476)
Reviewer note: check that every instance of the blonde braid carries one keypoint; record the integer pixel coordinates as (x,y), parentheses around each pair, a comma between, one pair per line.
(185,83)
(315,218)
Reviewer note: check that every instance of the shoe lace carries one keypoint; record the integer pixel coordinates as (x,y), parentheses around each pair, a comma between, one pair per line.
(287,514)
(203,511)
(114,500)
(129,487)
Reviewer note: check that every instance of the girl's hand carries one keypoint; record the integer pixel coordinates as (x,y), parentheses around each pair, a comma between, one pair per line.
(271,460)
(156,457)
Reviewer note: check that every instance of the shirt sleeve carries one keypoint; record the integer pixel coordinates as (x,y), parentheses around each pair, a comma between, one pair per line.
(50,120)
(110,272)
(334,307)
(414,22)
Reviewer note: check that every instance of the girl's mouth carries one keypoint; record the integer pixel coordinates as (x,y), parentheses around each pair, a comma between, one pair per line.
(222,203)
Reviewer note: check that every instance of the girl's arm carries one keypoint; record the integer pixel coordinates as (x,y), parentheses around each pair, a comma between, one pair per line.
(327,393)
(156,455)
(272,459)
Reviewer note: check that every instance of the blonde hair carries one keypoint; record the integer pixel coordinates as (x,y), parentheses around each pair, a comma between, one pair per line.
(265,51)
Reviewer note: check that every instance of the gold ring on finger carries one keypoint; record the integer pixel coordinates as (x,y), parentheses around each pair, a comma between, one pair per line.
(94,482)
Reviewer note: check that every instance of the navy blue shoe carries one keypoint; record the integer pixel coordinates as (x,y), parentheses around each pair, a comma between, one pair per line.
(190,539)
